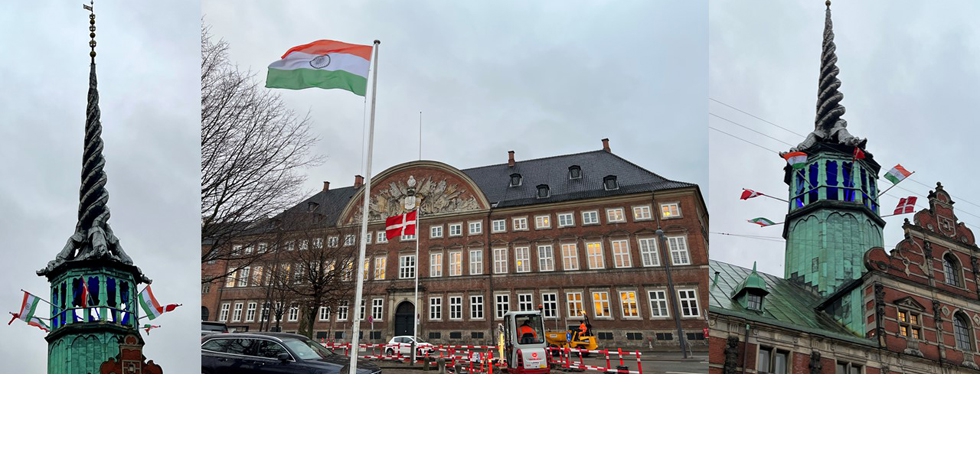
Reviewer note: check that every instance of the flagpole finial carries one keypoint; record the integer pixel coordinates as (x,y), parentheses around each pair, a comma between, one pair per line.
(91,27)
(377,42)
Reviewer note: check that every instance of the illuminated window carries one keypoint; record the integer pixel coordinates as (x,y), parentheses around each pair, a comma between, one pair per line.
(600,304)
(519,223)
(380,264)
(542,222)
(455,263)
(615,215)
(522,259)
(670,210)
(435,264)
(621,253)
(573,304)
(642,213)
(594,253)
(627,300)
(909,324)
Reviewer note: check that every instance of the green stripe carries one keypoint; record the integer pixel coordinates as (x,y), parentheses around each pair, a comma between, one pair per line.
(312,78)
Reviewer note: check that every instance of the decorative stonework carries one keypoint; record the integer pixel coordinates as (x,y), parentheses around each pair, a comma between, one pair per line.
(429,194)
(731,355)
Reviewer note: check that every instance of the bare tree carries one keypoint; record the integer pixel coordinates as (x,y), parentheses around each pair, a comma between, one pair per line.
(253,152)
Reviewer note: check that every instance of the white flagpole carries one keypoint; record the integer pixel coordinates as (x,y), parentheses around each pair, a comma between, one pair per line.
(358,296)
(418,264)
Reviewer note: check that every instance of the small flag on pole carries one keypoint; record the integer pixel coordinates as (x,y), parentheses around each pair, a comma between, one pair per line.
(151,307)
(906,205)
(762,222)
(796,160)
(897,174)
(746,194)
(27,308)
(858,153)
(402,224)
(148,327)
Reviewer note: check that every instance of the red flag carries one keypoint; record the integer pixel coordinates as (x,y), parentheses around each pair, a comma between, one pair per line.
(402,224)
(746,194)
(858,153)
(84,294)
(906,205)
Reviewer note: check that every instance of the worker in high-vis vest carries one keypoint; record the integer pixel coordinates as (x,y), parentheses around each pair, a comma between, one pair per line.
(582,328)
(524,330)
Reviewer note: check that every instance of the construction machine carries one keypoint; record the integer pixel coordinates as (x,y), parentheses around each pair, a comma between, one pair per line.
(585,341)
(525,350)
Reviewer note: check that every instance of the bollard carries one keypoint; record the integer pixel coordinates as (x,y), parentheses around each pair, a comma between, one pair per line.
(425,364)
(442,365)
(458,368)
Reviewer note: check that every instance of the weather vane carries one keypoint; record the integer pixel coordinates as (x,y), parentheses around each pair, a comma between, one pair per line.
(91,27)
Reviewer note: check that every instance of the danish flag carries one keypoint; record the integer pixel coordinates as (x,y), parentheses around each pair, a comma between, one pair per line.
(402,224)
(905,205)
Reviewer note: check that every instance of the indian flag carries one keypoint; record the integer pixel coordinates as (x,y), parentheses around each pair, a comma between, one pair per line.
(797,160)
(762,222)
(897,174)
(323,64)
(27,308)
(151,307)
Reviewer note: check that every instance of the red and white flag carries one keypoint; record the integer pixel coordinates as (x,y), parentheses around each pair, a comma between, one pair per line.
(402,224)
(906,205)
(746,194)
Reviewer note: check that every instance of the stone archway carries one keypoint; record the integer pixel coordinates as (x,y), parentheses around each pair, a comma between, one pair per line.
(403,318)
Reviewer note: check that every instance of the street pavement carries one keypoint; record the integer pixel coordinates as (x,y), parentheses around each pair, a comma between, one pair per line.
(653,363)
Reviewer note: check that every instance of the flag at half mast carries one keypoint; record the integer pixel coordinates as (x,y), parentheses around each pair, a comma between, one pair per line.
(326,64)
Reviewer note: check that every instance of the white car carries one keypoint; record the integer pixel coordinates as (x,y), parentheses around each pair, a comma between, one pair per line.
(402,345)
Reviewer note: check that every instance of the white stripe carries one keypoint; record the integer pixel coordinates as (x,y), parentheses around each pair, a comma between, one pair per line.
(338,61)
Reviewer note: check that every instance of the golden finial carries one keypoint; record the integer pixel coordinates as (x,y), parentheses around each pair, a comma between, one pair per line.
(91,27)
(827,3)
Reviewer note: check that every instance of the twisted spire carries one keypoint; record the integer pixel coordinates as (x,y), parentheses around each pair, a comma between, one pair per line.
(829,109)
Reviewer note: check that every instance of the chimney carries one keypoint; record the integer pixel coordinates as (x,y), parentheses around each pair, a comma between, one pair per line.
(326,185)
(605,145)
(510,158)
(358,181)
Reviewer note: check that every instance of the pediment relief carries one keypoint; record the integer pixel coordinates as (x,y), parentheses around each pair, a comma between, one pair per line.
(910,304)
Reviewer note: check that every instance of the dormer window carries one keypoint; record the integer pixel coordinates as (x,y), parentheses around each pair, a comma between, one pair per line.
(515,180)
(609,183)
(312,206)
(574,172)
(753,302)
(544,191)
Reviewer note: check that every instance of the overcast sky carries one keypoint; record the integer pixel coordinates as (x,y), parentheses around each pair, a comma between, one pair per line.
(910,72)
(542,78)
(149,86)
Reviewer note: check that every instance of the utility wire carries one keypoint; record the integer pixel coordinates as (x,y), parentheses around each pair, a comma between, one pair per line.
(757,118)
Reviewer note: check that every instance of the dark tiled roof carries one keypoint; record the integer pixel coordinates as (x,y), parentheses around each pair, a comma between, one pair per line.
(789,304)
(329,203)
(494,180)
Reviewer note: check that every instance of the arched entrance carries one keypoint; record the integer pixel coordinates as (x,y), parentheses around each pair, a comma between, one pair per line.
(403,318)
(204,313)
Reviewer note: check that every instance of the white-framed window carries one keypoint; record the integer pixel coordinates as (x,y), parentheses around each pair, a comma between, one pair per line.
(248,250)
(455,229)
(324,313)
(343,310)
(569,256)
(406,266)
(317,243)
(333,241)
(223,316)
(573,304)
(615,215)
(435,231)
(642,212)
(621,253)
(230,279)
(380,265)
(775,361)
(455,307)
(290,245)
(546,258)
(658,304)
(476,227)
(298,273)
(525,302)
(593,252)
(377,309)
(367,267)
(628,304)
(476,306)
(435,264)
(501,304)
(250,312)
(590,217)
(257,275)
(519,224)
(455,263)
(293,313)
(689,303)
(435,308)
(348,240)
(522,259)
(566,219)
(500,260)
(262,248)
(304,245)
(265,314)
(367,238)
(361,312)
(498,226)
(670,210)
(407,237)
(600,304)
(243,277)
(382,237)
(678,250)
(542,222)
(236,249)
(648,252)
(549,301)
(237,315)
(476,261)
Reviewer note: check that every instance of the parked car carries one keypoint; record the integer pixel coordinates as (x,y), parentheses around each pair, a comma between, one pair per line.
(273,353)
(213,327)
(402,345)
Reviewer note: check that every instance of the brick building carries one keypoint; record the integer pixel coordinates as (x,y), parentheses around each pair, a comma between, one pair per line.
(570,234)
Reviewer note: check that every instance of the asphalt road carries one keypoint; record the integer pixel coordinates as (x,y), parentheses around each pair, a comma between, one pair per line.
(653,363)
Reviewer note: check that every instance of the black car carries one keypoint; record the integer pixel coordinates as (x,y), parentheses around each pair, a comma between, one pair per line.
(273,353)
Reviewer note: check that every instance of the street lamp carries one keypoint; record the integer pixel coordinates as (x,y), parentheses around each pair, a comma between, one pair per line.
(673,295)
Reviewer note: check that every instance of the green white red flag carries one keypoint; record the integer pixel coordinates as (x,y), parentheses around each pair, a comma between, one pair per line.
(762,222)
(27,309)
(326,64)
(150,306)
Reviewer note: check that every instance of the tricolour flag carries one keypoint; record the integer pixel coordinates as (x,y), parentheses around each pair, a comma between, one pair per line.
(402,224)
(151,307)
(897,174)
(27,309)
(762,222)
(905,205)
(323,64)
(148,327)
(796,160)
(746,194)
